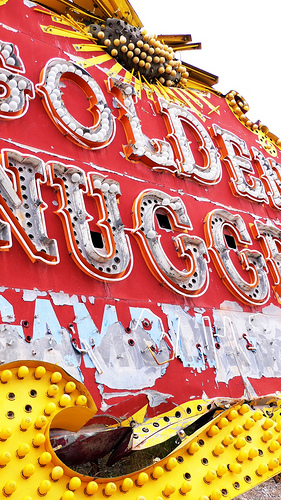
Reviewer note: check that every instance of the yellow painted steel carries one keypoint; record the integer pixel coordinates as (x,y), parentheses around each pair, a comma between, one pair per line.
(91,10)
(87,47)
(234,452)
(52,30)
(179,42)
(153,431)
(93,61)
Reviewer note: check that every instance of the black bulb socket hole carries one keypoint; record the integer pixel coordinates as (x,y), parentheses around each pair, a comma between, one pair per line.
(146,324)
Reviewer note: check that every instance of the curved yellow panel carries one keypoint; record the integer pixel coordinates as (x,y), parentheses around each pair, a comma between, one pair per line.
(238,449)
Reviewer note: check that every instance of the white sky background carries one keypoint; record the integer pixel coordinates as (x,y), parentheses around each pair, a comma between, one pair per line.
(241,42)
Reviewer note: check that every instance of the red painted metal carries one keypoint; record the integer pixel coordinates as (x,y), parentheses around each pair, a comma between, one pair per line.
(35,134)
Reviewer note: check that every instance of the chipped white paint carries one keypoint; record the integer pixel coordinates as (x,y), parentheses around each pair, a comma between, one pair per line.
(155,398)
(31,295)
(7,311)
(50,341)
(63,299)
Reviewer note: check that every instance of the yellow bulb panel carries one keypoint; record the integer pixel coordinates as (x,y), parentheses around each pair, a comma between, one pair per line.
(207,465)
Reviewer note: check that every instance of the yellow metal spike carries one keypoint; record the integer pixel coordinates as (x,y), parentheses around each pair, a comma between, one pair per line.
(138,87)
(47,12)
(87,47)
(156,90)
(212,109)
(59,19)
(131,75)
(76,25)
(115,69)
(105,8)
(140,80)
(128,77)
(93,61)
(148,89)
(196,85)
(53,30)
(185,97)
(198,97)
(163,90)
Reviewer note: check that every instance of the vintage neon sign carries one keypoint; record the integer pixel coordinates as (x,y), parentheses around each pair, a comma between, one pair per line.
(112,263)
(23,213)
(102,131)
(15,89)
(237,157)
(254,291)
(195,278)
(22,207)
(155,153)
(176,155)
(114,260)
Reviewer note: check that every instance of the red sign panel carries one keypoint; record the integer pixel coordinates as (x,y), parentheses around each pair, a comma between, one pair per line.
(140,237)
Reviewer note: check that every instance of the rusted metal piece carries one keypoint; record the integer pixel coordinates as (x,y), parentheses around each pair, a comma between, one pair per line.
(89,443)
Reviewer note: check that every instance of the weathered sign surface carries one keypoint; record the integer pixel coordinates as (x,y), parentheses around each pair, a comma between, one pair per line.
(140,233)
(140,251)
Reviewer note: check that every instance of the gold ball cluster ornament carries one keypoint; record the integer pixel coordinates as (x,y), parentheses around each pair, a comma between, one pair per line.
(138,51)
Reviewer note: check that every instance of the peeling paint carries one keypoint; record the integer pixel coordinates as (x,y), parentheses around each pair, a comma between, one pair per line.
(122,358)
(8,28)
(14,346)
(7,311)
(63,299)
(31,295)
(46,322)
(187,334)
(29,4)
(231,306)
(262,330)
(155,398)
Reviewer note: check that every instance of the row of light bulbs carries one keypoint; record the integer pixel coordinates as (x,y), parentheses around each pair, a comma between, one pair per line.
(146,53)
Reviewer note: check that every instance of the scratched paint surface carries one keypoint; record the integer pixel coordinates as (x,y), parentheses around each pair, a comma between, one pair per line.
(142,330)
